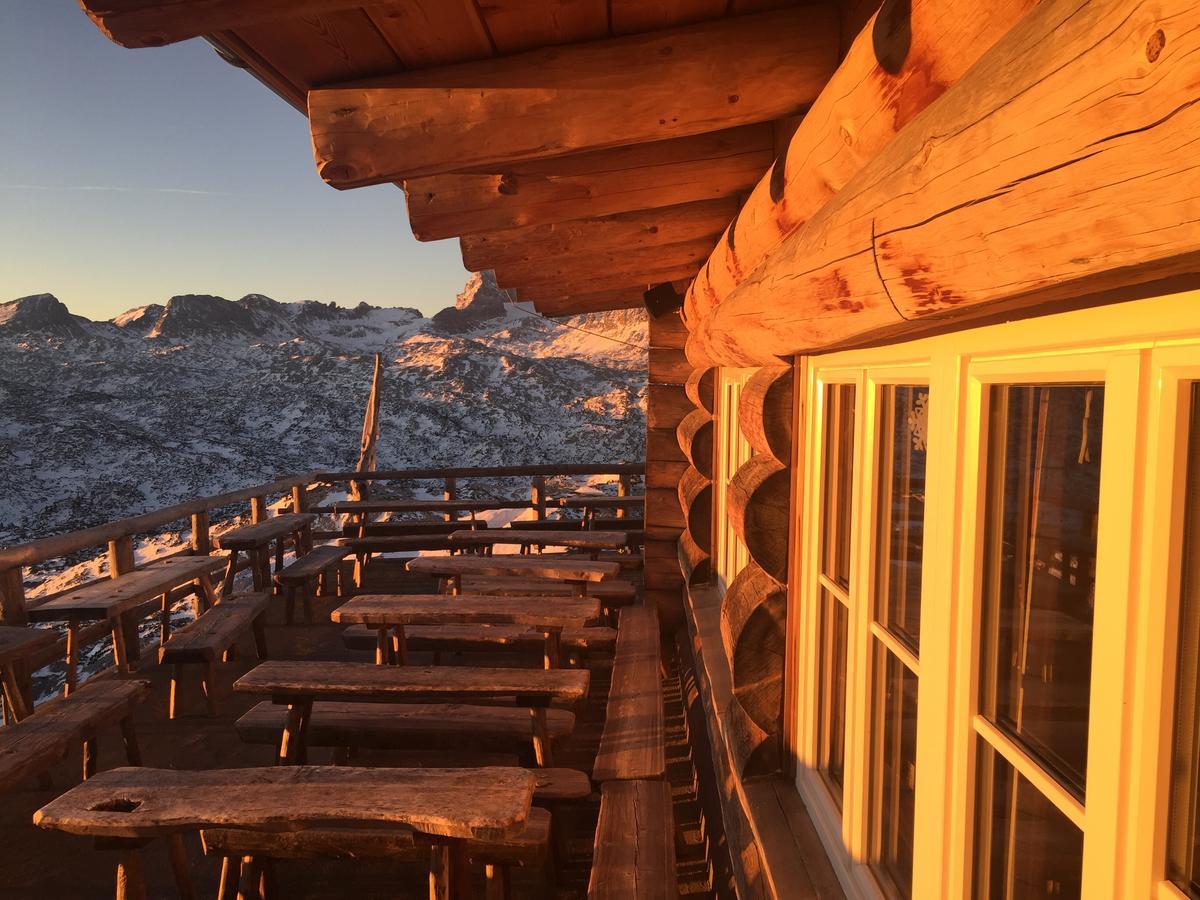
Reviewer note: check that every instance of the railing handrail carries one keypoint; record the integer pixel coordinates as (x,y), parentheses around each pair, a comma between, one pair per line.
(59,545)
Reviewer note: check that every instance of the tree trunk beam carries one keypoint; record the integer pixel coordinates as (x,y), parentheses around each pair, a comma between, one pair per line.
(712,166)
(973,210)
(599,281)
(613,265)
(573,99)
(881,85)
(578,304)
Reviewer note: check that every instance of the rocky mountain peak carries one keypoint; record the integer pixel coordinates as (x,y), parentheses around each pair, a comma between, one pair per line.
(481,300)
(43,313)
(203,315)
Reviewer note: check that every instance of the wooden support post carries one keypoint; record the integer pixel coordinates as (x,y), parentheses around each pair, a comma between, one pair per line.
(201,536)
(538,496)
(451,493)
(624,483)
(258,509)
(12,597)
(300,498)
(121,562)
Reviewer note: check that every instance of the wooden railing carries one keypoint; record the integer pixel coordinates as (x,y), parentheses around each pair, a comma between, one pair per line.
(118,536)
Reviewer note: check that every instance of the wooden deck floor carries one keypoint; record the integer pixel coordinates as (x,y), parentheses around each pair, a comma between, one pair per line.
(36,863)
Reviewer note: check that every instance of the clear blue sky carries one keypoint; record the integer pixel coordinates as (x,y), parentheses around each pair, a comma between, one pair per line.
(131,175)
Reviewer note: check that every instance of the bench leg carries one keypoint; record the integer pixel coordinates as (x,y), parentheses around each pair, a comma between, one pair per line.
(206,595)
(260,636)
(499,884)
(230,574)
(133,752)
(14,697)
(173,695)
(541,739)
(268,886)
(120,648)
(449,871)
(72,657)
(91,749)
(131,882)
(250,887)
(179,866)
(292,745)
(209,684)
(231,870)
(399,646)
(552,653)
(164,620)
(382,648)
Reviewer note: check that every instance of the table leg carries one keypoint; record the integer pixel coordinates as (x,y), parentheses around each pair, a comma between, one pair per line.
(131,882)
(179,866)
(292,749)
(399,646)
(541,737)
(72,657)
(230,574)
(209,684)
(91,749)
(552,655)
(120,648)
(133,752)
(231,870)
(382,649)
(206,597)
(449,871)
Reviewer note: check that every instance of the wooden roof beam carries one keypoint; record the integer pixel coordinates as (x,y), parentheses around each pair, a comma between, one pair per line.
(712,166)
(561,100)
(902,60)
(601,282)
(624,232)
(153,23)
(580,304)
(970,211)
(610,263)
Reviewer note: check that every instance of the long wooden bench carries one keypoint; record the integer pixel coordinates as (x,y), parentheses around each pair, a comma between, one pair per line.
(529,848)
(209,638)
(634,853)
(397,726)
(483,638)
(613,593)
(37,743)
(323,564)
(633,744)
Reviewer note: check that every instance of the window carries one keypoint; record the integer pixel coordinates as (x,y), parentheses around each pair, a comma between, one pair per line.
(837,523)
(896,626)
(1043,470)
(1183,849)
(732,452)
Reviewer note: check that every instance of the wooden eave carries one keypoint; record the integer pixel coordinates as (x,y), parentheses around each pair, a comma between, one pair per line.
(296,47)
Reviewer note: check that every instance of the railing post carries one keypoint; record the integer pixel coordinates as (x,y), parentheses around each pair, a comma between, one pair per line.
(299,498)
(121,562)
(624,483)
(12,597)
(258,509)
(201,537)
(451,493)
(537,495)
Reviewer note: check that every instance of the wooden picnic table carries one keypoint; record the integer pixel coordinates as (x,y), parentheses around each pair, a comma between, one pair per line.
(297,684)
(16,644)
(112,598)
(396,611)
(590,541)
(256,540)
(576,572)
(126,808)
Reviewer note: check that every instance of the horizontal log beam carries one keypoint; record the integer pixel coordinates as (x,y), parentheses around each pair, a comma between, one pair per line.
(561,100)
(597,282)
(720,164)
(628,298)
(972,210)
(614,264)
(153,23)
(908,54)
(623,232)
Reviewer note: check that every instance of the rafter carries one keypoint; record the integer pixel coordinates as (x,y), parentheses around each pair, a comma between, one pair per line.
(612,263)
(627,298)
(582,97)
(717,165)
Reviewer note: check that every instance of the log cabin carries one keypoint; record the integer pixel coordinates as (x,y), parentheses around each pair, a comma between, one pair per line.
(921,499)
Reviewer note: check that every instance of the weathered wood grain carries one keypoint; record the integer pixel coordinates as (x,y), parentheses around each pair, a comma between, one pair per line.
(250,537)
(758,506)
(701,389)
(765,415)
(515,566)
(695,434)
(383,610)
(110,597)
(633,744)
(634,855)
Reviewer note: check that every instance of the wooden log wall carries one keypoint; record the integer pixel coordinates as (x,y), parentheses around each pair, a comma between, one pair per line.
(754,609)
(666,464)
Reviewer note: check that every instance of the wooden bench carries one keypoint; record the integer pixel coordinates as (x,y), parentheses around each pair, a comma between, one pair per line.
(578,574)
(591,542)
(129,807)
(323,564)
(209,638)
(633,857)
(633,744)
(256,540)
(440,639)
(16,644)
(114,598)
(627,561)
(35,745)
(529,848)
(617,592)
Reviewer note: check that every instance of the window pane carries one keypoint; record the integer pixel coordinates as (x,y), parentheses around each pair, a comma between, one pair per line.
(904,419)
(1184,846)
(896,773)
(1025,846)
(1039,589)
(835,621)
(839,480)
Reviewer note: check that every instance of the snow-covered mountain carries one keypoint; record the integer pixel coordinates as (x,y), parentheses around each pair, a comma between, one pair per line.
(201,395)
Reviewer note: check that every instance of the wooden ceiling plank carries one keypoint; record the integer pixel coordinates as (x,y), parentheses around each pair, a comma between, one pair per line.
(888,77)
(622,232)
(311,51)
(518,25)
(589,96)
(633,16)
(608,182)
(596,282)
(615,262)
(964,213)
(581,304)
(428,33)
(153,23)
